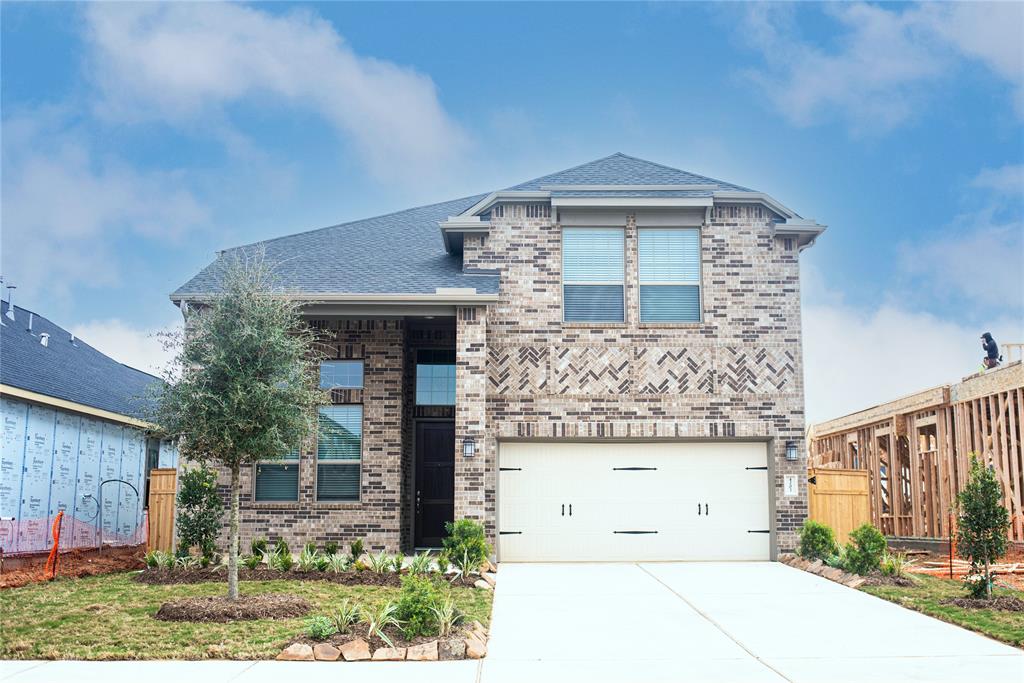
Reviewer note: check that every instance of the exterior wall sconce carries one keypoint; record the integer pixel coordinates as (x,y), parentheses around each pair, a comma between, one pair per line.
(468,448)
(791,451)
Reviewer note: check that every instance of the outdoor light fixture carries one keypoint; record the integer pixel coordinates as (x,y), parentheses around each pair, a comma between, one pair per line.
(791,451)
(468,448)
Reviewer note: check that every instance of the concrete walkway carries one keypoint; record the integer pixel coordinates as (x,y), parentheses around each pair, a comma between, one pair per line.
(641,623)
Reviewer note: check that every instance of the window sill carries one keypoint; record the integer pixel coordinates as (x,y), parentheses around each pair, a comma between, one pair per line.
(580,324)
(671,325)
(338,505)
(276,504)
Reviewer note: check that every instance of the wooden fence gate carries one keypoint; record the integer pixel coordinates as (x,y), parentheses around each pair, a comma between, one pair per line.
(162,489)
(840,499)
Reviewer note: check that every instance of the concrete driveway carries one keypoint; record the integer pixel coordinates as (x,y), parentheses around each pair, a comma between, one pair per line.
(734,622)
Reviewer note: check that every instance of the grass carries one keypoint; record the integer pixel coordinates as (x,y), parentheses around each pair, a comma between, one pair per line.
(927,597)
(110,617)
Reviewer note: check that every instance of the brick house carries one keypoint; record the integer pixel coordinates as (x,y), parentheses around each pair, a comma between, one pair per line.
(604,363)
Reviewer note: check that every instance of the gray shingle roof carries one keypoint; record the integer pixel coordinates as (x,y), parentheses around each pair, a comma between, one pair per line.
(71,371)
(400,253)
(403,252)
(621,169)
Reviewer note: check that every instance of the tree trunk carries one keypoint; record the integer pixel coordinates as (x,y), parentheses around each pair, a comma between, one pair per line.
(233,547)
(988,581)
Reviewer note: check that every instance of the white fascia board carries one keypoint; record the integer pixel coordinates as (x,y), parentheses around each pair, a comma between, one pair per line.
(494,197)
(635,188)
(735,197)
(630,201)
(443,295)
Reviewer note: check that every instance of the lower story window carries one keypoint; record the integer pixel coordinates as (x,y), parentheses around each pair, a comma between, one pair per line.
(278,480)
(339,453)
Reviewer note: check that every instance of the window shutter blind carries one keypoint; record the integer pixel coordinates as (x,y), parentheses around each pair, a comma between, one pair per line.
(669,274)
(277,482)
(593,270)
(337,482)
(341,433)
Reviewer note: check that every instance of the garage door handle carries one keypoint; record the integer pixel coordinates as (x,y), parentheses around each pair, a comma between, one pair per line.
(563,509)
(705,509)
(570,509)
(634,532)
(698,509)
(759,531)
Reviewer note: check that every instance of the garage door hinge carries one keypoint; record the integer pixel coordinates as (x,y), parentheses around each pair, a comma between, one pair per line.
(759,531)
(509,533)
(758,468)
(510,469)
(634,532)
(635,469)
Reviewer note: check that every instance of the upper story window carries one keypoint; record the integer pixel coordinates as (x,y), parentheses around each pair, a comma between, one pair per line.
(339,453)
(669,273)
(593,271)
(435,377)
(341,374)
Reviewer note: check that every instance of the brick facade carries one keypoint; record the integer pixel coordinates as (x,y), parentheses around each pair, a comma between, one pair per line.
(738,374)
(523,373)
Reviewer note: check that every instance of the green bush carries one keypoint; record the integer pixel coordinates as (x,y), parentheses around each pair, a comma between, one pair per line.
(281,548)
(199,511)
(465,547)
(865,549)
(817,542)
(310,547)
(416,606)
(258,547)
(252,561)
(331,548)
(895,564)
(320,628)
(355,549)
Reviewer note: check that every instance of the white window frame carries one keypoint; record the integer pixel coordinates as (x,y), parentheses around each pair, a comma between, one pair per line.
(699,282)
(622,283)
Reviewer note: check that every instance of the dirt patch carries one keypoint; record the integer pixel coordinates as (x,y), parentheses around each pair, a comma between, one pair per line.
(359,631)
(220,609)
(76,563)
(1003,603)
(185,576)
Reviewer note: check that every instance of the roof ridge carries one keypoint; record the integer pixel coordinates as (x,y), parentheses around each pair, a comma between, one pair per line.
(351,222)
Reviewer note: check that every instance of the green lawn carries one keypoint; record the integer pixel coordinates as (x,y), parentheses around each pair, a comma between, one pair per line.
(110,617)
(927,597)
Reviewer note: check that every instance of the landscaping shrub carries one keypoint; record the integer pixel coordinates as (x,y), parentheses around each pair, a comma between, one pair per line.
(199,511)
(339,563)
(310,547)
(448,617)
(895,565)
(865,549)
(817,542)
(465,547)
(982,523)
(281,548)
(320,628)
(307,560)
(346,615)
(379,617)
(355,549)
(421,563)
(252,561)
(416,603)
(258,547)
(158,559)
(281,561)
(381,563)
(331,548)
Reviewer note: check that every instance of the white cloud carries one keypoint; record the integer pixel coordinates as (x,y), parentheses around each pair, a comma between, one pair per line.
(64,207)
(854,359)
(1006,180)
(183,62)
(139,348)
(877,74)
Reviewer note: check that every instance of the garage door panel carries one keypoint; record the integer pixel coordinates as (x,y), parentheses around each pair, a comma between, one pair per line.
(701,499)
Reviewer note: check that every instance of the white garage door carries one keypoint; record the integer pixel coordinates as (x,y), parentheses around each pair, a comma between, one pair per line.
(633,501)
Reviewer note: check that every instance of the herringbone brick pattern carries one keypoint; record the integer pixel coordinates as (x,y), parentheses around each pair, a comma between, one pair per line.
(675,370)
(591,370)
(755,370)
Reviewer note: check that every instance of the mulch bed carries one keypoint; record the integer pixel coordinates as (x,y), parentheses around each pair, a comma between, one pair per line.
(1004,603)
(359,631)
(220,609)
(76,563)
(164,577)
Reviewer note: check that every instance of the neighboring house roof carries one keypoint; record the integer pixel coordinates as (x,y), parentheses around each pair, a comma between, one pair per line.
(401,254)
(66,370)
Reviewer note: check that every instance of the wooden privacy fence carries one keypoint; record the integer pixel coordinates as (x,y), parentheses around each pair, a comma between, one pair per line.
(915,451)
(839,498)
(162,489)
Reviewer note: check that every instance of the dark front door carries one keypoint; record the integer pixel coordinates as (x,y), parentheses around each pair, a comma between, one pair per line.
(435,481)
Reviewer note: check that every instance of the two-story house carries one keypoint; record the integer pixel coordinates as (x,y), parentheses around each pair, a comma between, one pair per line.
(600,364)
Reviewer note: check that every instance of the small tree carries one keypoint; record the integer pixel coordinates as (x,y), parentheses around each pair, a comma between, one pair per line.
(242,386)
(199,511)
(982,522)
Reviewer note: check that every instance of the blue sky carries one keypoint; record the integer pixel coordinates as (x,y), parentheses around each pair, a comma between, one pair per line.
(138,139)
